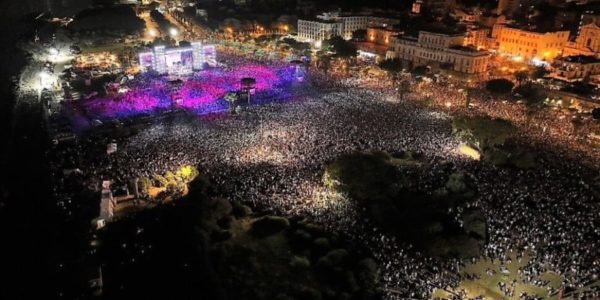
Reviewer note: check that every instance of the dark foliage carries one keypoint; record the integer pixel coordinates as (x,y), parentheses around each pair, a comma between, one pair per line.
(499,86)
(118,18)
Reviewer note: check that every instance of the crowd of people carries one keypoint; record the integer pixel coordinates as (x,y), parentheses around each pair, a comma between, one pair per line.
(273,157)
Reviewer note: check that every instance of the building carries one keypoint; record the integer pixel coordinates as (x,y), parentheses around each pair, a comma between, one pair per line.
(381,35)
(576,68)
(318,30)
(589,38)
(524,44)
(508,7)
(416,7)
(441,49)
(477,37)
(334,24)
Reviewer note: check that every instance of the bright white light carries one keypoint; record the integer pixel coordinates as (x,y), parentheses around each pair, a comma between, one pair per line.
(53,51)
(538,62)
(318,44)
(173,32)
(43,75)
(152,32)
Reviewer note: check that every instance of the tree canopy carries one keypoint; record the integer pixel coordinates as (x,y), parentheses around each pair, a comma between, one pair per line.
(340,47)
(483,132)
(596,113)
(296,45)
(376,182)
(359,35)
(499,86)
(117,18)
(391,65)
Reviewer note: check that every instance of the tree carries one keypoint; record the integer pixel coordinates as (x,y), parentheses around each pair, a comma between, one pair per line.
(391,66)
(324,62)
(184,44)
(359,35)
(483,132)
(521,76)
(467,92)
(231,98)
(596,113)
(538,72)
(248,84)
(420,71)
(340,47)
(104,3)
(533,97)
(403,88)
(499,86)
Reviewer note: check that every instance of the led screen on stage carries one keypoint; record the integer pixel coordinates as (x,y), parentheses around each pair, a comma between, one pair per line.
(179,61)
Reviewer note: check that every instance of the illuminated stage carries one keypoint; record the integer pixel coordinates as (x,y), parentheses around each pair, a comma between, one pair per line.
(202,92)
(179,61)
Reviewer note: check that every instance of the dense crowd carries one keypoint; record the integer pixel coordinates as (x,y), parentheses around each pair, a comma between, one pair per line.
(273,156)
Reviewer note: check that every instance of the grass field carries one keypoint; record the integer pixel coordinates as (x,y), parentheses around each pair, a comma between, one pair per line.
(487,285)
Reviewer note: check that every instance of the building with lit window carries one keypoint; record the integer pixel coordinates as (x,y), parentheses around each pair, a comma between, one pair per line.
(527,44)
(327,25)
(439,49)
(587,42)
(589,37)
(416,7)
(576,68)
(381,35)
(477,37)
(318,30)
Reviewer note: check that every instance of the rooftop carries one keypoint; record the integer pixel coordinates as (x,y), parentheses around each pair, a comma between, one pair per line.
(582,59)
(385,28)
(328,21)
(532,29)
(464,48)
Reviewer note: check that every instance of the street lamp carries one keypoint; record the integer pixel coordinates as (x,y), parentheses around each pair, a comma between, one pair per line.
(173,32)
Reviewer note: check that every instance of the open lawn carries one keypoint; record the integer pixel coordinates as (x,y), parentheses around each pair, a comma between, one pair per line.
(487,285)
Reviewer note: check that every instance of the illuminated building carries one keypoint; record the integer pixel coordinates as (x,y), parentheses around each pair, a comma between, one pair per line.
(576,68)
(181,61)
(477,37)
(526,44)
(587,18)
(466,16)
(416,7)
(353,23)
(318,30)
(381,35)
(328,25)
(587,42)
(589,37)
(441,49)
